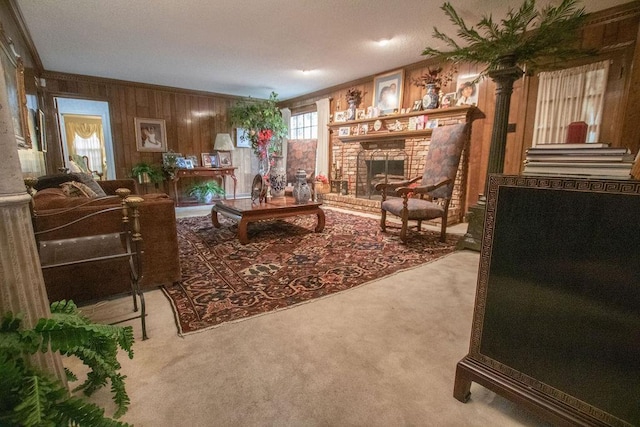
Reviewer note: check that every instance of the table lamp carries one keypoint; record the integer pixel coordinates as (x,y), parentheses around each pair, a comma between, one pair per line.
(223,142)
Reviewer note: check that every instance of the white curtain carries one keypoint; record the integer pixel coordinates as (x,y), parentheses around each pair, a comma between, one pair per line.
(322,157)
(570,95)
(286,115)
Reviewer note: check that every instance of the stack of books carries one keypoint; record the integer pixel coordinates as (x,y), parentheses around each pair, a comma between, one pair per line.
(579,160)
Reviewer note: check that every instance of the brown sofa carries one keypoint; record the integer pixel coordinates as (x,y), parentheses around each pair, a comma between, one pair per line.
(160,259)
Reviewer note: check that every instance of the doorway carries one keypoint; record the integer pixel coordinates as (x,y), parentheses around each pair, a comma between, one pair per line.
(85,130)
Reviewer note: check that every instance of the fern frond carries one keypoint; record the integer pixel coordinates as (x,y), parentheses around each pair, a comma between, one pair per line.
(78,412)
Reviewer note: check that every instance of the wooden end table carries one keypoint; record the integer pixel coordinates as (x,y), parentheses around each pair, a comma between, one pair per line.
(245,211)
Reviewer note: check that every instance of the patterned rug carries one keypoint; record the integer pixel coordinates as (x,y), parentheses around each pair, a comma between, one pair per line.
(285,263)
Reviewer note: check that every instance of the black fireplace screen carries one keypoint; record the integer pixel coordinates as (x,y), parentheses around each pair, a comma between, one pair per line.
(378,166)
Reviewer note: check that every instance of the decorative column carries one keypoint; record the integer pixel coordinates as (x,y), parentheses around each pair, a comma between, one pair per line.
(22,289)
(503,76)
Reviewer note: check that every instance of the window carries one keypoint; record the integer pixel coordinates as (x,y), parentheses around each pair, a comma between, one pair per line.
(570,95)
(304,126)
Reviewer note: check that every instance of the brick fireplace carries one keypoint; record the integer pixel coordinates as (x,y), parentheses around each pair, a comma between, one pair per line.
(359,160)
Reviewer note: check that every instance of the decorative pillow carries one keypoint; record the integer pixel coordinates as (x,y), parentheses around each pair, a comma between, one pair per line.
(77,189)
(53,181)
(88,180)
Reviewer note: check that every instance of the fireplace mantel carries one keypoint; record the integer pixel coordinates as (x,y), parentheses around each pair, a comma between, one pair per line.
(356,133)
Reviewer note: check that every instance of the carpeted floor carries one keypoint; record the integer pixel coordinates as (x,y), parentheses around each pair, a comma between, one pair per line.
(284,264)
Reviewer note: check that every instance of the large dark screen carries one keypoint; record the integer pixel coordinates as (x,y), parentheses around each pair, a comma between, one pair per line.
(563,294)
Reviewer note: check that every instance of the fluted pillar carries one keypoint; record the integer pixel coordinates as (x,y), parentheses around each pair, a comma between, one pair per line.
(22,288)
(503,76)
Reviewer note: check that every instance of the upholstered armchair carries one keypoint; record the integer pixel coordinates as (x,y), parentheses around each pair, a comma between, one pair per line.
(430,198)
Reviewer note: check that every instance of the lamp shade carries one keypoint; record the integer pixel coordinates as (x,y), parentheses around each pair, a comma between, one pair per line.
(223,142)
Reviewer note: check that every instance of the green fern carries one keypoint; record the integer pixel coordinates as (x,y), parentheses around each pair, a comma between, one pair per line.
(29,397)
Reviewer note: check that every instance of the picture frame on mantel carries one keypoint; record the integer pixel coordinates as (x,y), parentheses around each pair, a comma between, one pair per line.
(16,95)
(387,92)
(151,135)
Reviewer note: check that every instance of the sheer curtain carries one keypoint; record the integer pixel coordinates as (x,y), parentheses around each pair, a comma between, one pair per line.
(322,158)
(85,138)
(570,95)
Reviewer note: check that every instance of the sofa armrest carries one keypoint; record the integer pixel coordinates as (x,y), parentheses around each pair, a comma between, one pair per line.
(110,186)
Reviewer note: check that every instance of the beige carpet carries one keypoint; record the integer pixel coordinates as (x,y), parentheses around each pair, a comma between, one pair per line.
(381,354)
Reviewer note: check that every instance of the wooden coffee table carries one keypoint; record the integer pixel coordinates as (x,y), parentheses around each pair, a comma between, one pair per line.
(245,211)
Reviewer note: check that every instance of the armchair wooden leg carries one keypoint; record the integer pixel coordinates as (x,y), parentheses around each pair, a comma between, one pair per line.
(403,231)
(383,221)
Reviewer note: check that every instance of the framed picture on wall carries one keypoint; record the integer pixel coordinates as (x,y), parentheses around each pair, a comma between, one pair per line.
(16,96)
(242,138)
(387,92)
(151,135)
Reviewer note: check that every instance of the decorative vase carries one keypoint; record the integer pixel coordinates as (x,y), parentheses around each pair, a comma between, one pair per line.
(351,111)
(277,177)
(301,191)
(263,164)
(430,99)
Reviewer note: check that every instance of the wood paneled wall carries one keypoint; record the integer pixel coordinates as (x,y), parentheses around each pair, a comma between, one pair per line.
(613,33)
(192,118)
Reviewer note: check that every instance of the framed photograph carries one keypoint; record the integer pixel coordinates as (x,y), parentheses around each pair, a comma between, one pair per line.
(242,138)
(206,160)
(16,96)
(448,100)
(431,124)
(151,135)
(364,129)
(467,91)
(341,116)
(194,160)
(344,131)
(225,159)
(188,163)
(360,114)
(417,105)
(387,92)
(181,162)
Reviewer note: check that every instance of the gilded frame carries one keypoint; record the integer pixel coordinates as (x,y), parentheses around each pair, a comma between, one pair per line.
(16,93)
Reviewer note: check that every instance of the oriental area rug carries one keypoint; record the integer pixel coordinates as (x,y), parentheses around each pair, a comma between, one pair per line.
(285,263)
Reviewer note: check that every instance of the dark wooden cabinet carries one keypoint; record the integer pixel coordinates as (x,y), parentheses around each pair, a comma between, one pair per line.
(557,317)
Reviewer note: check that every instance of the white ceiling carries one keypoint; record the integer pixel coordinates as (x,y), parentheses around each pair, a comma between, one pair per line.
(243,47)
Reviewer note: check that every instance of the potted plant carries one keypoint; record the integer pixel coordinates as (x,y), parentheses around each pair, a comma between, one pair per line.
(31,397)
(146,173)
(204,191)
(264,123)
